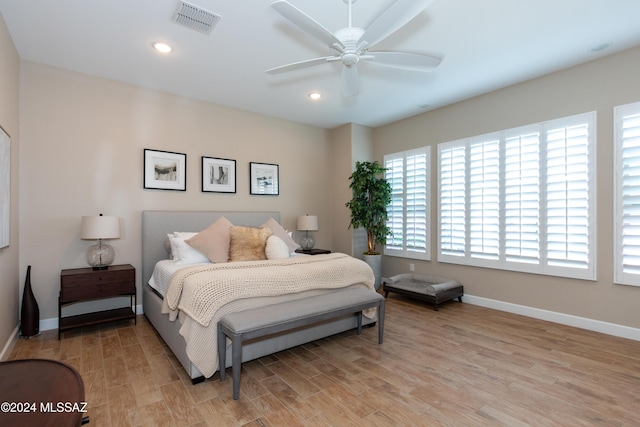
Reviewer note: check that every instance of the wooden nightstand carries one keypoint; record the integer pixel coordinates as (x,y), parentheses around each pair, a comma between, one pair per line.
(313,251)
(84,284)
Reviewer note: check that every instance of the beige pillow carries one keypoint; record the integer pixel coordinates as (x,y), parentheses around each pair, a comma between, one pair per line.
(276,248)
(279,231)
(248,243)
(214,240)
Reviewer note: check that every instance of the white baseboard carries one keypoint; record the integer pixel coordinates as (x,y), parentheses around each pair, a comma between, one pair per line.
(561,318)
(48,324)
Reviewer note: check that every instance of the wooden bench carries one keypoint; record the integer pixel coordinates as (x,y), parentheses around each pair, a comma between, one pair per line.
(263,321)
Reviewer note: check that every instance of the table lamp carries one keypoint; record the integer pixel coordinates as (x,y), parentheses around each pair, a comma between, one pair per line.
(100,255)
(307,223)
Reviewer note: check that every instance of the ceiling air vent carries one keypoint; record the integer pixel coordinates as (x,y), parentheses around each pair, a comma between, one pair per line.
(195,18)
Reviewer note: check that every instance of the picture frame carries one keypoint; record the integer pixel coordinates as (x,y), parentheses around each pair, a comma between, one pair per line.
(264,179)
(165,170)
(5,188)
(218,175)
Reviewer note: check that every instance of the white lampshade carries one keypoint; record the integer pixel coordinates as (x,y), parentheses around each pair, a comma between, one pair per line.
(100,227)
(308,223)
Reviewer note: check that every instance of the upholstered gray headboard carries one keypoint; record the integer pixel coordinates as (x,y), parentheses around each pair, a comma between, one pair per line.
(156,225)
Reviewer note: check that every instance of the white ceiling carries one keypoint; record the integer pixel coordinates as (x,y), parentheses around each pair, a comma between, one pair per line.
(485,45)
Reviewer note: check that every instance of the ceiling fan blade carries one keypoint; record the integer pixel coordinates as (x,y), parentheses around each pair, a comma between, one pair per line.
(349,80)
(404,60)
(298,65)
(392,19)
(305,22)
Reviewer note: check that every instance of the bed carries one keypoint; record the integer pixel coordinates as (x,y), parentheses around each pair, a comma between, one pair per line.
(173,325)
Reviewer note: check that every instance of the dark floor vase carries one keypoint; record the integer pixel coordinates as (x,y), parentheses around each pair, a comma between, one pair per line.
(30,314)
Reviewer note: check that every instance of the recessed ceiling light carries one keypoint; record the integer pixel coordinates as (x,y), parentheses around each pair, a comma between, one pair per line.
(162,47)
(315,96)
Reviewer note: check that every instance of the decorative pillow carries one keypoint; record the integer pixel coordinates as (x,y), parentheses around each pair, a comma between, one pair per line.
(185,254)
(276,248)
(214,240)
(173,250)
(282,234)
(248,243)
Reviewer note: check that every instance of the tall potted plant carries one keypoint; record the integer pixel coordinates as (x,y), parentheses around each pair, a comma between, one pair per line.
(371,196)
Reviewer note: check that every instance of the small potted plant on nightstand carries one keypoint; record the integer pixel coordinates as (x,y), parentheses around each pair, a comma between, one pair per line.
(371,196)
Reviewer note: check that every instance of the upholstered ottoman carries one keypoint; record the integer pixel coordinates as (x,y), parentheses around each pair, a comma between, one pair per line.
(432,289)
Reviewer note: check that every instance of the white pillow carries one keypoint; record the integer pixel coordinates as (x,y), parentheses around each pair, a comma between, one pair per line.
(276,248)
(283,234)
(182,252)
(172,245)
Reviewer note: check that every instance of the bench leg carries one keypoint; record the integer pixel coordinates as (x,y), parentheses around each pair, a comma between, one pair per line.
(222,353)
(380,321)
(236,364)
(359,322)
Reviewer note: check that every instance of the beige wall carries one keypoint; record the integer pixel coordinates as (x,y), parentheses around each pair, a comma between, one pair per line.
(82,154)
(341,164)
(599,86)
(9,120)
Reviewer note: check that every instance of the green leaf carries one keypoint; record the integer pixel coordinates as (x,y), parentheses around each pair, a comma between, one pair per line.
(371,196)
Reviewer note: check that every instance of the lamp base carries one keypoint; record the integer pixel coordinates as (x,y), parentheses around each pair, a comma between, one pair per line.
(307,243)
(100,255)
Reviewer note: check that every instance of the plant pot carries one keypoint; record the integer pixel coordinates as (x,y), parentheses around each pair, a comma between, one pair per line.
(375,262)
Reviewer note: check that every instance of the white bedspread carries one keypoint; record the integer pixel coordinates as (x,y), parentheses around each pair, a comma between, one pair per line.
(162,273)
(203,294)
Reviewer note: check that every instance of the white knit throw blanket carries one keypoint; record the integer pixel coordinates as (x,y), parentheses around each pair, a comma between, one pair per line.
(202,292)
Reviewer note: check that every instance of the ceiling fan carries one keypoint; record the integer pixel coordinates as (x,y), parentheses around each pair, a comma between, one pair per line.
(351,44)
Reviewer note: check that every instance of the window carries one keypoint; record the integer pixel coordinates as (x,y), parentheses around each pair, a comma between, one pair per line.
(521,199)
(409,215)
(627,194)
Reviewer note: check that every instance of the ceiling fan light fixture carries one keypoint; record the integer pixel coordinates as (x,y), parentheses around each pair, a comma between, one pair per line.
(162,47)
(351,44)
(600,46)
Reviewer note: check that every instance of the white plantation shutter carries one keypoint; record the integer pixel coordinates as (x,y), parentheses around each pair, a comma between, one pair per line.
(452,195)
(568,212)
(395,211)
(521,199)
(409,215)
(627,194)
(484,200)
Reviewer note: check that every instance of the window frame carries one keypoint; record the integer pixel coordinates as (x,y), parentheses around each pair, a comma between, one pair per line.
(406,252)
(543,265)
(620,113)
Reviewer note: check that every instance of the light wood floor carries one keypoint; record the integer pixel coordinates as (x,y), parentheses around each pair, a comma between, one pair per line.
(461,366)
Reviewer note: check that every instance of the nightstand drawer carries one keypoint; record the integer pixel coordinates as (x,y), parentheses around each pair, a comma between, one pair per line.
(97,277)
(90,284)
(96,290)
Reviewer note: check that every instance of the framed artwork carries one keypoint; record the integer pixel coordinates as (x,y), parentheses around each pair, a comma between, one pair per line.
(218,175)
(165,170)
(5,188)
(263,179)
